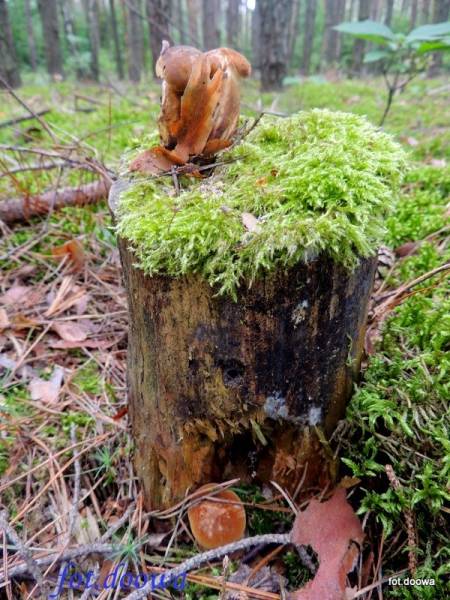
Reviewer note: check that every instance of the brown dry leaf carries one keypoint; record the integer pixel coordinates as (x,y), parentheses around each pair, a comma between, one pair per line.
(333,530)
(14,295)
(72,331)
(74,251)
(250,222)
(406,249)
(89,343)
(20,321)
(47,391)
(4,319)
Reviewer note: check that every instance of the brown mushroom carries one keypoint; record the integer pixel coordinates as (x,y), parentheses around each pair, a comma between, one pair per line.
(217,520)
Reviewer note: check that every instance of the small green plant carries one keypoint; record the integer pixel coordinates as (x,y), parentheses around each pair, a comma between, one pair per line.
(402,57)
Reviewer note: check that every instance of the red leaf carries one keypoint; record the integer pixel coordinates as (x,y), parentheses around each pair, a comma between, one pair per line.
(334,532)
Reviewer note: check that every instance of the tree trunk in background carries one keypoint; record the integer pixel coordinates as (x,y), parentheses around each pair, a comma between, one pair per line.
(413,20)
(211,30)
(308,40)
(441,9)
(158,15)
(256,38)
(375,10)
(134,38)
(275,19)
(293,30)
(50,26)
(389,12)
(9,67)
(425,10)
(193,10)
(92,19)
(233,22)
(32,53)
(181,22)
(115,35)
(359,46)
(334,14)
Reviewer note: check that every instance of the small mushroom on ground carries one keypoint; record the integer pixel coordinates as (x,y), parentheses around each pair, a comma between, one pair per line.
(217,520)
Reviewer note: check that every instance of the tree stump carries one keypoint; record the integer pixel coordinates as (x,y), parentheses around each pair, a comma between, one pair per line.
(221,388)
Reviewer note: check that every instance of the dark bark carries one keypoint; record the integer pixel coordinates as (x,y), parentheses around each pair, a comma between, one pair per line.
(50,25)
(9,66)
(308,40)
(359,46)
(425,10)
(293,29)
(92,19)
(32,52)
(334,14)
(274,28)
(389,12)
(413,19)
(233,22)
(256,38)
(115,35)
(134,39)
(441,9)
(211,21)
(158,15)
(220,389)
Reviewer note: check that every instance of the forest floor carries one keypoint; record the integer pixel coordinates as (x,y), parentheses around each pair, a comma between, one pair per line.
(65,469)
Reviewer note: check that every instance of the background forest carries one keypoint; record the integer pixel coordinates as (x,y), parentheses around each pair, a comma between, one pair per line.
(77,94)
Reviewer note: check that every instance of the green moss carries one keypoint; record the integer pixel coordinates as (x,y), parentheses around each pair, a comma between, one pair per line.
(319,181)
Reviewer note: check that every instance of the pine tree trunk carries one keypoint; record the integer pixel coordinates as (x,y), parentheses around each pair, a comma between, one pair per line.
(233,22)
(293,30)
(441,9)
(414,8)
(308,40)
(256,37)
(220,389)
(32,52)
(274,28)
(389,12)
(193,10)
(50,26)
(9,66)
(211,19)
(92,19)
(115,34)
(334,10)
(425,10)
(359,46)
(134,39)
(158,15)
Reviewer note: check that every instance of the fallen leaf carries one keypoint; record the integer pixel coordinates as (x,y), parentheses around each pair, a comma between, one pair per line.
(250,222)
(74,251)
(47,391)
(406,249)
(411,141)
(71,331)
(333,530)
(4,319)
(14,295)
(438,162)
(95,344)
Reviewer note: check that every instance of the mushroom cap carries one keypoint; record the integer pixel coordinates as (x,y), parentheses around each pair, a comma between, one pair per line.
(215,523)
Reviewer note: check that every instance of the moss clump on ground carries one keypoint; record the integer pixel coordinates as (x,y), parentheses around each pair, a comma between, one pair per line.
(319,181)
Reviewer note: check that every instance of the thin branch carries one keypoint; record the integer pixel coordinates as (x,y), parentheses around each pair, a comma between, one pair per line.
(32,565)
(17,120)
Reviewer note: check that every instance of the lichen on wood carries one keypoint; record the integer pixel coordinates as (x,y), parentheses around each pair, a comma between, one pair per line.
(316,182)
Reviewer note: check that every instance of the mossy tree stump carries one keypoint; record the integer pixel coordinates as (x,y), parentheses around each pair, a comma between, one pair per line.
(246,386)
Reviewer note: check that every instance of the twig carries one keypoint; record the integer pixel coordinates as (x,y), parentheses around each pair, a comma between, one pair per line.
(196,561)
(29,109)
(76,486)
(32,565)
(40,113)
(71,554)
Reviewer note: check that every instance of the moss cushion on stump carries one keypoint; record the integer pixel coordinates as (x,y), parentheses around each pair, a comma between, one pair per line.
(248,296)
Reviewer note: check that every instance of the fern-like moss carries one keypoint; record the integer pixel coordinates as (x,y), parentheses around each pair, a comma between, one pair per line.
(319,181)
